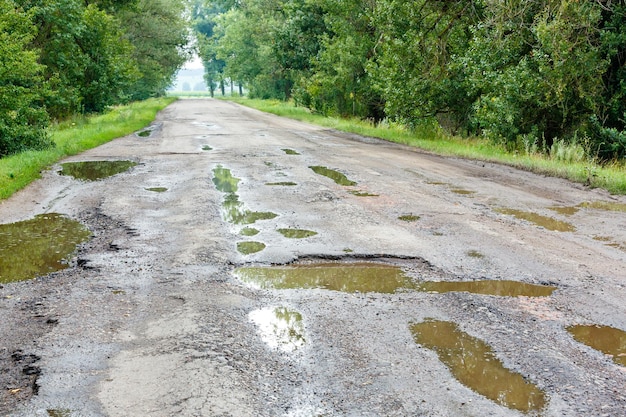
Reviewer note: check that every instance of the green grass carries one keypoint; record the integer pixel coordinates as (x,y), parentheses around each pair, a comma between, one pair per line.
(74,136)
(611,177)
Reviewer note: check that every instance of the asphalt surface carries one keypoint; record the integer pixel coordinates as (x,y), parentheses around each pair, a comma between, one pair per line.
(152,317)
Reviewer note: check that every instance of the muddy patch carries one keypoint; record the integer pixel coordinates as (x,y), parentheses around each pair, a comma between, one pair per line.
(280,328)
(475,365)
(608,340)
(334,175)
(296,233)
(546,222)
(95,170)
(38,246)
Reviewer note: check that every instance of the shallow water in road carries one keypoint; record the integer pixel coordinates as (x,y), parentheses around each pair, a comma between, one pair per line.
(334,175)
(280,327)
(608,340)
(95,170)
(474,364)
(544,221)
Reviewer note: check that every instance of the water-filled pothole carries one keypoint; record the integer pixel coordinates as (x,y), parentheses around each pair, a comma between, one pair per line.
(608,340)
(207,148)
(544,221)
(280,327)
(157,189)
(234,210)
(38,246)
(95,170)
(145,133)
(374,277)
(363,194)
(409,218)
(566,211)
(59,412)
(296,233)
(462,191)
(604,205)
(249,231)
(248,248)
(475,365)
(290,152)
(336,176)
(283,183)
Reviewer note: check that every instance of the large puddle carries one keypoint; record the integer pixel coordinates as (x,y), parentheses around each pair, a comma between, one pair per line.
(336,176)
(38,246)
(608,340)
(95,170)
(280,327)
(474,364)
(543,221)
(367,277)
(234,211)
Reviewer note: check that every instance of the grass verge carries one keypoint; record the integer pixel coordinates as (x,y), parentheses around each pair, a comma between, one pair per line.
(74,136)
(611,177)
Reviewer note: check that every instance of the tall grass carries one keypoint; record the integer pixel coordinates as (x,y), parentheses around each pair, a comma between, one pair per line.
(74,136)
(564,161)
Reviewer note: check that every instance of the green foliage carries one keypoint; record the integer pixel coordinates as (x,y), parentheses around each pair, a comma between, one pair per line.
(22,117)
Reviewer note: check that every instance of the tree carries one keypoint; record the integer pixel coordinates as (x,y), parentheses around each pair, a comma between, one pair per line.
(23,118)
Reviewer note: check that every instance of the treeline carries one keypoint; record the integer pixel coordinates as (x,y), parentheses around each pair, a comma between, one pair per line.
(59,58)
(526,74)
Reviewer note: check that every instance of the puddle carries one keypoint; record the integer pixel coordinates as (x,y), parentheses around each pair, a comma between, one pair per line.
(249,231)
(543,221)
(38,246)
(502,288)
(349,277)
(280,327)
(363,194)
(296,233)
(59,412)
(224,181)
(157,189)
(462,191)
(95,170)
(608,340)
(566,211)
(290,152)
(234,210)
(248,248)
(144,133)
(475,254)
(284,183)
(336,176)
(604,205)
(474,364)
(409,218)
(207,148)
(366,277)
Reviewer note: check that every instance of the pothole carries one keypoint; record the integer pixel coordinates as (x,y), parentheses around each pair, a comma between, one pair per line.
(38,246)
(249,231)
(368,277)
(280,328)
(290,152)
(604,205)
(359,193)
(409,218)
(475,365)
(248,248)
(334,175)
(296,233)
(282,183)
(608,340)
(157,189)
(95,170)
(543,221)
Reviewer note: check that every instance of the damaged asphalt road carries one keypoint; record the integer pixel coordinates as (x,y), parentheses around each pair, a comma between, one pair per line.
(155,317)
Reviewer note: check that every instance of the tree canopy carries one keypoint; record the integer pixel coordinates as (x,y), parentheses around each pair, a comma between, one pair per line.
(524,74)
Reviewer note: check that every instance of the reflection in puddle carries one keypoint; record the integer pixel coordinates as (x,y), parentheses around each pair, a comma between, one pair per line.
(608,340)
(474,364)
(249,231)
(374,277)
(296,233)
(500,288)
(280,327)
(290,152)
(604,205)
(356,277)
(157,189)
(284,183)
(38,246)
(95,170)
(409,218)
(546,222)
(336,176)
(234,210)
(248,248)
(566,211)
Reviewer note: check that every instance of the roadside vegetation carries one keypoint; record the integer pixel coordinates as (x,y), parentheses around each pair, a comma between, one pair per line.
(75,135)
(540,84)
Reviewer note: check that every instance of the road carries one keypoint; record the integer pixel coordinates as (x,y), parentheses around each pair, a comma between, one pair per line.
(158,315)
